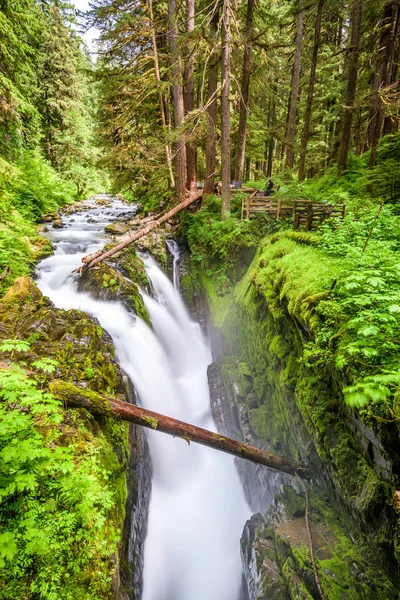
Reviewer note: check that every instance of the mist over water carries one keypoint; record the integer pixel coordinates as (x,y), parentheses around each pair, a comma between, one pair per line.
(197,508)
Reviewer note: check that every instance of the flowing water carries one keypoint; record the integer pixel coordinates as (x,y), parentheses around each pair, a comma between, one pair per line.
(173,249)
(197,508)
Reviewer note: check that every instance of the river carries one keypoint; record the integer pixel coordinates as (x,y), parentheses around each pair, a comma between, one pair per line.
(197,508)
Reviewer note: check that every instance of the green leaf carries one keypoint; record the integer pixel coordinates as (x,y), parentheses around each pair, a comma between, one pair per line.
(368,330)
(14,346)
(8,548)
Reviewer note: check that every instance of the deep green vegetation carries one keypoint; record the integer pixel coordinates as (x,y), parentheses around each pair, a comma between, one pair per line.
(308,87)
(55,499)
(48,155)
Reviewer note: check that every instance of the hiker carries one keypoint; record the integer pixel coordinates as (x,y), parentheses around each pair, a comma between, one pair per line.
(270,185)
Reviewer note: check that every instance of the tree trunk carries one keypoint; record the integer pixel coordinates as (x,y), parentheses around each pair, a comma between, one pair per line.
(244,92)
(92,260)
(226,113)
(103,405)
(307,119)
(391,122)
(211,143)
(160,94)
(351,86)
(189,97)
(177,94)
(295,87)
(382,76)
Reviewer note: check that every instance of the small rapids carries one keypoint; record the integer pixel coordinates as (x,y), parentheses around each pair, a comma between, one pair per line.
(197,508)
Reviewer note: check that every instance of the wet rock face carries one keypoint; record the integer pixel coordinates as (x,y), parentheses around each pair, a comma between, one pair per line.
(262,571)
(138,482)
(107,283)
(83,350)
(277,560)
(229,388)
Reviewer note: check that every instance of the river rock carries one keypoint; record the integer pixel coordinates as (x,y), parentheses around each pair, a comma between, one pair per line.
(49,217)
(57,223)
(116,228)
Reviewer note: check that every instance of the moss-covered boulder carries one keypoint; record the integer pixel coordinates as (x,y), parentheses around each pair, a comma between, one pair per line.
(107,283)
(82,349)
(116,228)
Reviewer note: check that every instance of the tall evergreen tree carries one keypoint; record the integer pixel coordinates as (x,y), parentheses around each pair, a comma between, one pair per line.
(352,74)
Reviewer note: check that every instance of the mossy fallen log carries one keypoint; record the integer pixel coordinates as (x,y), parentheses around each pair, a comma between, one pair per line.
(99,404)
(98,257)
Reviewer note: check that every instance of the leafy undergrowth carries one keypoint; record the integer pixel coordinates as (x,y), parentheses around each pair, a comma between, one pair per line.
(57,538)
(346,301)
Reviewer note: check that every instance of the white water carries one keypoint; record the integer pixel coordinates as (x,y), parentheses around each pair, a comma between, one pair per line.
(175,253)
(197,508)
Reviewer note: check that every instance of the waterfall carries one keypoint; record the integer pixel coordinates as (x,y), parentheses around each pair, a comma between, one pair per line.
(174,251)
(197,507)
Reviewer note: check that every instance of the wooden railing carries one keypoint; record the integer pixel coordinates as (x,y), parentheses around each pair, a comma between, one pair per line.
(256,204)
(312,215)
(304,212)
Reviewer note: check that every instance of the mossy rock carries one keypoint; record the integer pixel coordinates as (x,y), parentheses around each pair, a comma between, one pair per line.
(116,228)
(83,350)
(131,265)
(106,283)
(23,290)
(268,322)
(154,243)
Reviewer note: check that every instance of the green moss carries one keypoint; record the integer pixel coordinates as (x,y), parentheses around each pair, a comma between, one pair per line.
(151,421)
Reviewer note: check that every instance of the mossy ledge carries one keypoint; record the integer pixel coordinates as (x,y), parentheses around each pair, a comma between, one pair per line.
(291,389)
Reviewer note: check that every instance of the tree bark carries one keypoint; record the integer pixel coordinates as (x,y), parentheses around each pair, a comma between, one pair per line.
(177,94)
(244,92)
(307,119)
(160,95)
(226,112)
(295,87)
(351,86)
(382,75)
(211,143)
(103,405)
(191,183)
(92,260)
(391,122)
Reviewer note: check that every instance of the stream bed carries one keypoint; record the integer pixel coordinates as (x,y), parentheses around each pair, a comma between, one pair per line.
(197,507)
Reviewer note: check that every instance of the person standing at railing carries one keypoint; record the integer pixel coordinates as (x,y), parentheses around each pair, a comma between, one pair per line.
(269,188)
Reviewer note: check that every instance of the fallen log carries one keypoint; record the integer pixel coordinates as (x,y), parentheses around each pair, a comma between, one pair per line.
(104,405)
(192,197)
